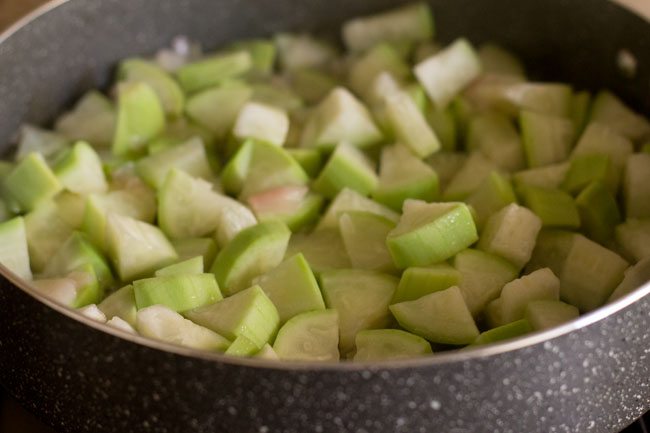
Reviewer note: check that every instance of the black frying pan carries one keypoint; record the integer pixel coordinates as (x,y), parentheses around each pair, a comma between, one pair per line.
(590,375)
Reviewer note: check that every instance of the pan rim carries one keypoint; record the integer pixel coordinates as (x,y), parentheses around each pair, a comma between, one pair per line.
(448,357)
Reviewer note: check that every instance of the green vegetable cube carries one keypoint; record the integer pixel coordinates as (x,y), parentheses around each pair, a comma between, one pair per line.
(216,109)
(554,207)
(430,233)
(588,168)
(249,313)
(440,317)
(385,344)
(609,110)
(169,92)
(495,136)
(310,336)
(599,213)
(323,249)
(46,232)
(80,170)
(31,182)
(177,292)
(261,122)
(364,236)
(469,177)
(504,332)
(634,277)
(516,295)
(549,314)
(14,254)
(193,266)
(349,200)
(600,140)
(636,186)
(417,282)
(92,119)
(381,58)
(634,238)
(292,287)
(410,126)
(252,252)
(347,167)
(547,139)
(213,70)
(493,195)
(120,303)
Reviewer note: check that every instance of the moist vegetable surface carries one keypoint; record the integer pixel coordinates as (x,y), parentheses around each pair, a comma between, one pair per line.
(286,198)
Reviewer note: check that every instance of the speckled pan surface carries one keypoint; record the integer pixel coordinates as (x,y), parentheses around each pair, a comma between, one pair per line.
(81,379)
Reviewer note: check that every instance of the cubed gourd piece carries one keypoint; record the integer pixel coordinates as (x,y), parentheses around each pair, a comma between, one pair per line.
(609,110)
(177,292)
(504,332)
(469,177)
(493,195)
(540,285)
(409,125)
(80,170)
(347,167)
(364,236)
(430,233)
(440,317)
(192,266)
(554,207)
(361,298)
(495,136)
(169,92)
(599,214)
(92,119)
(634,238)
(349,200)
(216,109)
(252,252)
(547,139)
(544,314)
(14,253)
(634,277)
(511,233)
(447,72)
(120,303)
(636,186)
(387,344)
(249,313)
(588,168)
(417,282)
(292,287)
(261,122)
(31,182)
(309,336)
(213,70)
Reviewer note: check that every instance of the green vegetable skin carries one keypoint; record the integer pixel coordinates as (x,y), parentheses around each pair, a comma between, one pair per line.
(356,204)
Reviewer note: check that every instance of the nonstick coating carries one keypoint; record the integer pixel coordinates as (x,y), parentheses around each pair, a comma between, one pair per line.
(79,378)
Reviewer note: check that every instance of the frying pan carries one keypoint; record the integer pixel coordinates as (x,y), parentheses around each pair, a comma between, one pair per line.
(590,375)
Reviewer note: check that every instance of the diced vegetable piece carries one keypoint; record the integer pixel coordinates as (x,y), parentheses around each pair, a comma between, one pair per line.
(547,139)
(549,176)
(410,126)
(31,182)
(46,233)
(242,346)
(417,282)
(430,233)
(253,251)
(361,298)
(297,51)
(189,157)
(601,140)
(551,250)
(549,99)
(492,314)
(293,205)
(75,290)
(403,176)
(14,254)
(188,207)
(516,295)
(216,109)
(309,159)
(504,332)
(364,236)
(636,186)
(140,117)
(170,94)
(262,52)
(511,234)
(193,266)
(267,352)
(634,277)
(482,277)
(599,213)
(323,249)
(261,122)
(80,170)
(92,312)
(588,168)
(495,136)
(469,177)
(92,119)
(258,166)
(440,317)
(413,23)
(555,207)
(177,292)
(385,344)
(164,324)
(495,193)
(497,60)
(74,253)
(249,313)
(310,336)
(590,274)
(549,314)
(446,73)
(292,287)
(213,70)
(347,167)
(381,58)
(608,109)
(120,303)
(349,200)
(634,237)
(136,248)
(340,117)
(312,85)
(277,95)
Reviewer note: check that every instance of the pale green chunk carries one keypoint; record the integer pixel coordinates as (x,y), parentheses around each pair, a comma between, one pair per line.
(549,314)
(387,344)
(14,254)
(310,336)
